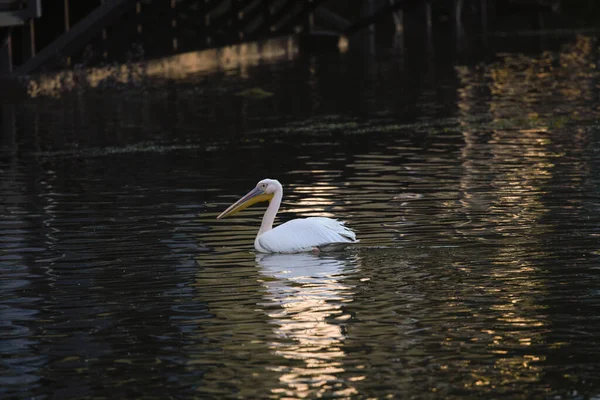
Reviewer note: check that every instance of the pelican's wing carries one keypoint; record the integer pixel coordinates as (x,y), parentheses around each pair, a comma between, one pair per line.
(304,234)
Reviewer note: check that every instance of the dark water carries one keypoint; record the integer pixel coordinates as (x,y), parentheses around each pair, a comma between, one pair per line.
(474,188)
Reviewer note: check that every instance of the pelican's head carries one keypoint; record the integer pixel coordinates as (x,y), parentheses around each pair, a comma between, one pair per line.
(264,191)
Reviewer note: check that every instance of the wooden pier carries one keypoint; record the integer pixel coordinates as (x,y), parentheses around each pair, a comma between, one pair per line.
(38,35)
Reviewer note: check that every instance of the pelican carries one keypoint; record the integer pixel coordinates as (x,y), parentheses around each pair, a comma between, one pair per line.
(295,236)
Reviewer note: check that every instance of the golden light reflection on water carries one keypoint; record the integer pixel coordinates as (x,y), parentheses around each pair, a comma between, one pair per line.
(518,328)
(518,150)
(180,66)
(488,312)
(302,296)
(313,200)
(518,156)
(310,321)
(290,310)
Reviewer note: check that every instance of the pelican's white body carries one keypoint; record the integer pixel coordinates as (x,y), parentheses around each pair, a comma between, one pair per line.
(303,234)
(295,236)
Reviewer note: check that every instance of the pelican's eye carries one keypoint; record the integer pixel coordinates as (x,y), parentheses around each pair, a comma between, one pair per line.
(263,186)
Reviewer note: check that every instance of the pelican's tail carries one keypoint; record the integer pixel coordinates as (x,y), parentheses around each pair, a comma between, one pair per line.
(346,235)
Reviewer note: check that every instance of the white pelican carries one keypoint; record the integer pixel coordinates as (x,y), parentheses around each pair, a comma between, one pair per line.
(295,236)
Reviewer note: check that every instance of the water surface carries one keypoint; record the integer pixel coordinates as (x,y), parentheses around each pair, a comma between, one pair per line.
(474,188)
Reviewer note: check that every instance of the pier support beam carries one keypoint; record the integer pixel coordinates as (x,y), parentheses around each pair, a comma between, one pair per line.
(6,61)
(78,34)
(28,40)
(459,30)
(398,16)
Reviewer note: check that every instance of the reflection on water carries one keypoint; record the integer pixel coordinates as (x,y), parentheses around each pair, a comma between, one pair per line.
(180,66)
(310,321)
(474,191)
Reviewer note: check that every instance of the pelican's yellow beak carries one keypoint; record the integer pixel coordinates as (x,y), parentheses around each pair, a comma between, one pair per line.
(256,195)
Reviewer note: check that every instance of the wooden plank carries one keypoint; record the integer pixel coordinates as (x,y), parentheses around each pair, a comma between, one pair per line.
(14,5)
(79,34)
(10,16)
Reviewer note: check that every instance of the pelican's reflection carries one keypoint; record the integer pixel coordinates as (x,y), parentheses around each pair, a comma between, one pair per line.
(308,296)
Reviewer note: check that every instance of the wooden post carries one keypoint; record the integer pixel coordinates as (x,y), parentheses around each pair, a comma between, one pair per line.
(6,62)
(174,25)
(458,7)
(310,20)
(138,11)
(207,21)
(398,16)
(428,18)
(484,16)
(458,26)
(67,16)
(79,34)
(429,28)
(104,35)
(399,21)
(266,15)
(371,28)
(239,19)
(28,40)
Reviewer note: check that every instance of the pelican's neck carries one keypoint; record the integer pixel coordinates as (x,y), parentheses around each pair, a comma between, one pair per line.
(269,217)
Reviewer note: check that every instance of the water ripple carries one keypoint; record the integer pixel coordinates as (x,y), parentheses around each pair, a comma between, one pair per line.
(476,274)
